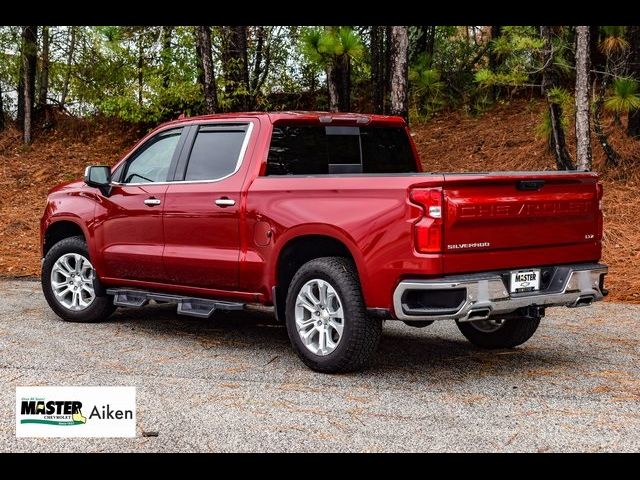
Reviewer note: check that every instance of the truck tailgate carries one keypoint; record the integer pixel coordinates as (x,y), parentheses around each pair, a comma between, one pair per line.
(512,220)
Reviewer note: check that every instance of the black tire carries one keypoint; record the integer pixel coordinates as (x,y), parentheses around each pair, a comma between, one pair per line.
(361,334)
(513,332)
(101,307)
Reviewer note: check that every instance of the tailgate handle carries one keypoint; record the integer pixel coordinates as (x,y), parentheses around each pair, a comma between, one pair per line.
(530,184)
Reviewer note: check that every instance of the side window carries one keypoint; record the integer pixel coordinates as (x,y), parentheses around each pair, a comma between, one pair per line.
(151,163)
(215,153)
(298,150)
(116,174)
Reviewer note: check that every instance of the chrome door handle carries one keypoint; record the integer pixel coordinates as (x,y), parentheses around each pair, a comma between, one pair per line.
(152,202)
(225,202)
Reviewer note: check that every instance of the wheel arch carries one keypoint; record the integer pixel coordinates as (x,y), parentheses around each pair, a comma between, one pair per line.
(59,229)
(304,245)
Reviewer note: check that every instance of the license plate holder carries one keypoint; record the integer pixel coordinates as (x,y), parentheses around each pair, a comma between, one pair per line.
(527,280)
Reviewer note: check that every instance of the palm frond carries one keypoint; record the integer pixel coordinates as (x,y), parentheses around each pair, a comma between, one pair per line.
(350,43)
(625,97)
(425,80)
(544,129)
(311,45)
(485,77)
(614,41)
(329,43)
(560,96)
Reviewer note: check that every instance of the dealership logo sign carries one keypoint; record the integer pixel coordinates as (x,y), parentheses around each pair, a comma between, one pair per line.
(52,412)
(75,411)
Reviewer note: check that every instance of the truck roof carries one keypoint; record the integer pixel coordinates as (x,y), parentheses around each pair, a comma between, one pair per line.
(301,116)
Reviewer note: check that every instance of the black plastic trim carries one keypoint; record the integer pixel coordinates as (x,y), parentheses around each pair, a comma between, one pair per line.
(381,313)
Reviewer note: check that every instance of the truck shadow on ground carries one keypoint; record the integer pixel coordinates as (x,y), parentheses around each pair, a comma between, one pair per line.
(418,351)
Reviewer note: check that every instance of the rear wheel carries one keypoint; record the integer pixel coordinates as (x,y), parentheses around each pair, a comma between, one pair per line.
(326,317)
(499,333)
(69,283)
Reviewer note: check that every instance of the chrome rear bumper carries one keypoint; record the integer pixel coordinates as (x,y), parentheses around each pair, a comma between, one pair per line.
(487,294)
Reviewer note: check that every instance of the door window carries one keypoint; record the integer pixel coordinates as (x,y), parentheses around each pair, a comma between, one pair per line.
(152,163)
(215,153)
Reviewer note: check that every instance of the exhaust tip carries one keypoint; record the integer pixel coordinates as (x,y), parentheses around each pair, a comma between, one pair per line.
(584,301)
(479,314)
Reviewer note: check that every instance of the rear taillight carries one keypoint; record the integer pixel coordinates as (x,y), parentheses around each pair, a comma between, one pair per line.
(428,230)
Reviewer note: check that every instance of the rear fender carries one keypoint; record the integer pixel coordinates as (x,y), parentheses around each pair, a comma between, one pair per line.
(324,230)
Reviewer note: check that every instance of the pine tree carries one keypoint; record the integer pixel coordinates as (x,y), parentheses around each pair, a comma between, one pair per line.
(633,33)
(29,63)
(549,82)
(582,94)
(207,77)
(400,71)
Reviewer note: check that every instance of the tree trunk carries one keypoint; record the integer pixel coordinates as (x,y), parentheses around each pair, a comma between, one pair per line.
(140,69)
(333,82)
(199,67)
(67,72)
(377,69)
(611,155)
(29,64)
(235,66)
(549,81)
(387,69)
(1,109)
(633,32)
(399,72)
(344,94)
(333,86)
(20,101)
(597,57)
(264,64)
(44,69)
(166,56)
(496,30)
(431,43)
(244,66)
(583,128)
(226,54)
(424,43)
(203,45)
(257,64)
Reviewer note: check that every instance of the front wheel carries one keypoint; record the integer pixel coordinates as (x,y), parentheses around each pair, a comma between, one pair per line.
(326,317)
(68,283)
(498,333)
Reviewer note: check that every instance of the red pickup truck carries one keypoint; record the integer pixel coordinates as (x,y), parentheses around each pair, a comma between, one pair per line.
(330,219)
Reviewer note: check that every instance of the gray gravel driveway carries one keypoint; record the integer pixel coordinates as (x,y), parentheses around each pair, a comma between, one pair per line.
(232,383)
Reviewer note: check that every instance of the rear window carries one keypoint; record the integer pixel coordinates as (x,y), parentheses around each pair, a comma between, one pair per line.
(317,150)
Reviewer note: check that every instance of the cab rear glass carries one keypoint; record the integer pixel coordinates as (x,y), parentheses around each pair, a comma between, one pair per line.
(321,150)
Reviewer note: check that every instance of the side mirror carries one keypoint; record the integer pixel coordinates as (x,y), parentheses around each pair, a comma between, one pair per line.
(99,176)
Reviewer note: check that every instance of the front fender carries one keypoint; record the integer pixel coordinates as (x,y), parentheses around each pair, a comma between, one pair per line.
(77,208)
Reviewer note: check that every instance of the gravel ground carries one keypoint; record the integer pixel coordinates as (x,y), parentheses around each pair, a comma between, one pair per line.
(233,384)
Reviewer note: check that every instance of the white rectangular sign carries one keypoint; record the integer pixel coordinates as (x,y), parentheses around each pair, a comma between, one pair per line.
(525,281)
(75,411)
